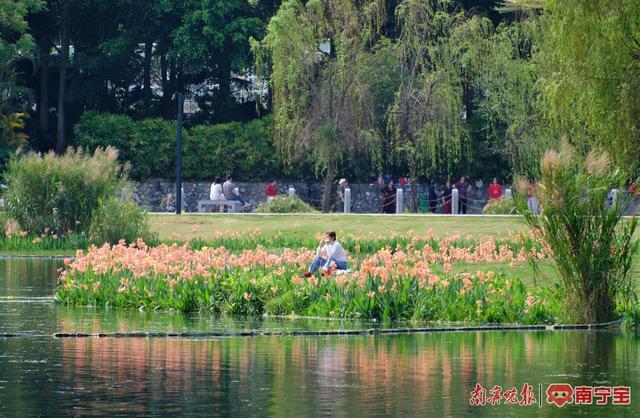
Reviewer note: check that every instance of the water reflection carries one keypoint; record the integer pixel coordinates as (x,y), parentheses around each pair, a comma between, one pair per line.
(374,375)
(28,276)
(400,375)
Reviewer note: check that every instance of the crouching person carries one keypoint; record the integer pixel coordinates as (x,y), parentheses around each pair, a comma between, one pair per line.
(329,251)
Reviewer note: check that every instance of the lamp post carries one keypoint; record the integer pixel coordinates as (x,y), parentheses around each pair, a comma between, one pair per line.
(188,106)
(179,155)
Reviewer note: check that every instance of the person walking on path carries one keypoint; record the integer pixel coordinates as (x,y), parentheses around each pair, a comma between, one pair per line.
(446,198)
(271,190)
(329,251)
(389,198)
(532,200)
(495,190)
(343,184)
(463,191)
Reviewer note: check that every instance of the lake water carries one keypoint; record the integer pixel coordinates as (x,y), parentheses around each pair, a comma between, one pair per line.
(374,375)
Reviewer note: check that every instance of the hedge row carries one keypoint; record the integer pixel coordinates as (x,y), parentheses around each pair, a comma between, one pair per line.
(244,149)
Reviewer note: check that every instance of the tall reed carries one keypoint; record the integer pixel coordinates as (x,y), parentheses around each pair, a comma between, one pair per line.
(591,244)
(59,192)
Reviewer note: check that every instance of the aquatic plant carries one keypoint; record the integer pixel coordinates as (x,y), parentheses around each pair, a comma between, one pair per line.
(390,284)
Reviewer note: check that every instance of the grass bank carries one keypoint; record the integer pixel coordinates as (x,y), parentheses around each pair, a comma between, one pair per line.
(306,226)
(276,232)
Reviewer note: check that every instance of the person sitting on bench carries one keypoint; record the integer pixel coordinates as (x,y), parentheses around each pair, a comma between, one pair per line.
(328,251)
(230,191)
(216,191)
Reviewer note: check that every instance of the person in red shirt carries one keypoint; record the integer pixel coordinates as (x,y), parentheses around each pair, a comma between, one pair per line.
(270,190)
(495,190)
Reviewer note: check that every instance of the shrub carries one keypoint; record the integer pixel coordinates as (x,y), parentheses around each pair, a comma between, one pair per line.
(590,247)
(503,206)
(245,150)
(60,193)
(115,219)
(148,145)
(285,204)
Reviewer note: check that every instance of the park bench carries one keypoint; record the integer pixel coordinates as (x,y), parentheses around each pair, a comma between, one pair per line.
(234,205)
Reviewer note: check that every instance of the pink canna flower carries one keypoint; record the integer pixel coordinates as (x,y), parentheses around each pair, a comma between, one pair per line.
(531,301)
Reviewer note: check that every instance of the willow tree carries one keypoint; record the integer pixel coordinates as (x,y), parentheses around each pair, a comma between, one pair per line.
(322,108)
(426,119)
(505,69)
(592,62)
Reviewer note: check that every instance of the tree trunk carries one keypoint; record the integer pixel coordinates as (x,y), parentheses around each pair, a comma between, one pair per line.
(166,87)
(43,104)
(327,186)
(413,175)
(148,50)
(60,137)
(328,180)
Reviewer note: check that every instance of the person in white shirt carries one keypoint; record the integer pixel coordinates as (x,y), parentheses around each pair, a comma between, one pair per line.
(328,251)
(216,191)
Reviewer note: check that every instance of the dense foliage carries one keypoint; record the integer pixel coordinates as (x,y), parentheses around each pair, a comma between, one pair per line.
(322,106)
(16,43)
(424,88)
(52,197)
(245,150)
(59,193)
(590,62)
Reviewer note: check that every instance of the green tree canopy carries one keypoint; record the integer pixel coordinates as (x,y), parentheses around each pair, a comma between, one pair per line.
(322,108)
(16,43)
(427,115)
(591,64)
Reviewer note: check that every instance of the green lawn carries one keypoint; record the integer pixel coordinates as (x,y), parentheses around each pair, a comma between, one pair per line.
(307,226)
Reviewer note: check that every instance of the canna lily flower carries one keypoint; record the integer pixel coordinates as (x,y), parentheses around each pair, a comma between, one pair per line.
(531,301)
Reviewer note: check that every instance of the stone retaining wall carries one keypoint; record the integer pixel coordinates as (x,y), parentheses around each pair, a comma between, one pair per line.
(159,194)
